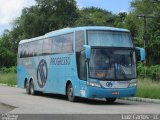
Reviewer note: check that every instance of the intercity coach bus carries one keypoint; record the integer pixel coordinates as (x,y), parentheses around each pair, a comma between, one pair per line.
(87,62)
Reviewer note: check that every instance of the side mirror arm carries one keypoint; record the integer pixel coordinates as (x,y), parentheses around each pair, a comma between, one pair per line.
(87,51)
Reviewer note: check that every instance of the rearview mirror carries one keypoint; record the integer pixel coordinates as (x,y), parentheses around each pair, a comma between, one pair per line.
(87,51)
(142,53)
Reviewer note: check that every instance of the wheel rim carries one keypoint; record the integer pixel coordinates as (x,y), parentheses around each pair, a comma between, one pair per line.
(27,87)
(32,88)
(70,93)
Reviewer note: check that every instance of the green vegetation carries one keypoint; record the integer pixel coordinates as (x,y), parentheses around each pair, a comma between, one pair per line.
(8,78)
(149,81)
(148,89)
(151,72)
(12,69)
(8,75)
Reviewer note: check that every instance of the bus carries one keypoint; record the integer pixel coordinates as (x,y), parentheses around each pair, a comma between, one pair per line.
(86,62)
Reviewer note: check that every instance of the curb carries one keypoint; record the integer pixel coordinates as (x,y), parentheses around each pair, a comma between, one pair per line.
(8,85)
(142,99)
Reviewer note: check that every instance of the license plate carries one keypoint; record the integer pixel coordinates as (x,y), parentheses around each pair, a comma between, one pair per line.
(115,93)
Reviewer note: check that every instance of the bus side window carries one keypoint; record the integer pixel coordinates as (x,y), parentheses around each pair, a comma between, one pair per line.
(80,59)
(23,50)
(62,43)
(30,49)
(56,45)
(68,43)
(47,46)
(37,47)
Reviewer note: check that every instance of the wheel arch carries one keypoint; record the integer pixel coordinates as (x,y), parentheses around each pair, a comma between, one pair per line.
(31,79)
(25,82)
(67,83)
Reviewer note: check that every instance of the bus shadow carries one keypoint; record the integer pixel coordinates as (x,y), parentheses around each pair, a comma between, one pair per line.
(83,100)
(99,102)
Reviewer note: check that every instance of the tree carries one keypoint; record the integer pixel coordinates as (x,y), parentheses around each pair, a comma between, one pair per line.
(95,17)
(120,20)
(7,53)
(46,16)
(148,8)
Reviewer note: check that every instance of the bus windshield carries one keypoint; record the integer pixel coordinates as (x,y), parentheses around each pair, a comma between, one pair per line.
(112,64)
(109,38)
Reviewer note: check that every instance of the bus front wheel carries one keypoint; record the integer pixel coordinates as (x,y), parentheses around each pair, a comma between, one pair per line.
(111,100)
(70,93)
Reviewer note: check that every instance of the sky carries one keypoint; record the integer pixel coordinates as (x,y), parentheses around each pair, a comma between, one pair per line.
(11,9)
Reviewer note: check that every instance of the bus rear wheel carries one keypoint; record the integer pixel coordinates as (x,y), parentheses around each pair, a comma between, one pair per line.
(31,88)
(27,87)
(70,93)
(111,100)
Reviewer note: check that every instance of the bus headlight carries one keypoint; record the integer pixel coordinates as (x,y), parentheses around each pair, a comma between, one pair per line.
(94,84)
(133,83)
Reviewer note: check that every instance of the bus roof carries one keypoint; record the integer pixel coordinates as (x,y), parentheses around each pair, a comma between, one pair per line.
(68,30)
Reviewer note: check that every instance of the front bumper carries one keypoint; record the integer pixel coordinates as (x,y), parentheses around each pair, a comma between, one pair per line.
(96,92)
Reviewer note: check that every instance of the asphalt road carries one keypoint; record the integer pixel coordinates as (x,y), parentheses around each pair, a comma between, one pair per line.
(57,104)
(5,108)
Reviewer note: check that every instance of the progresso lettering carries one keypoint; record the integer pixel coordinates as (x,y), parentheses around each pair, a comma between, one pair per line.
(60,61)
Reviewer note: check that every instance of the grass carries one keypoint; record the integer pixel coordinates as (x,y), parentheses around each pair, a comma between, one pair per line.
(148,89)
(8,78)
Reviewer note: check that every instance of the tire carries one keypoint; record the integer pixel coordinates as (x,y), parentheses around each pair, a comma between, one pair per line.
(31,88)
(111,100)
(70,93)
(27,87)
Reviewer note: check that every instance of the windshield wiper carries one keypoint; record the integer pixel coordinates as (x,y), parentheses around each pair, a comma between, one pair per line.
(123,73)
(122,69)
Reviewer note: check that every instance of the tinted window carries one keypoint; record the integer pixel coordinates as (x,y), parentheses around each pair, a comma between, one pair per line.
(109,38)
(112,64)
(23,50)
(56,44)
(31,46)
(80,55)
(30,49)
(80,40)
(62,43)
(37,47)
(47,46)
(39,44)
(81,65)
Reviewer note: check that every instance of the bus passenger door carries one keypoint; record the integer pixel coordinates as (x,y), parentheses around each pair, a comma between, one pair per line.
(81,67)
